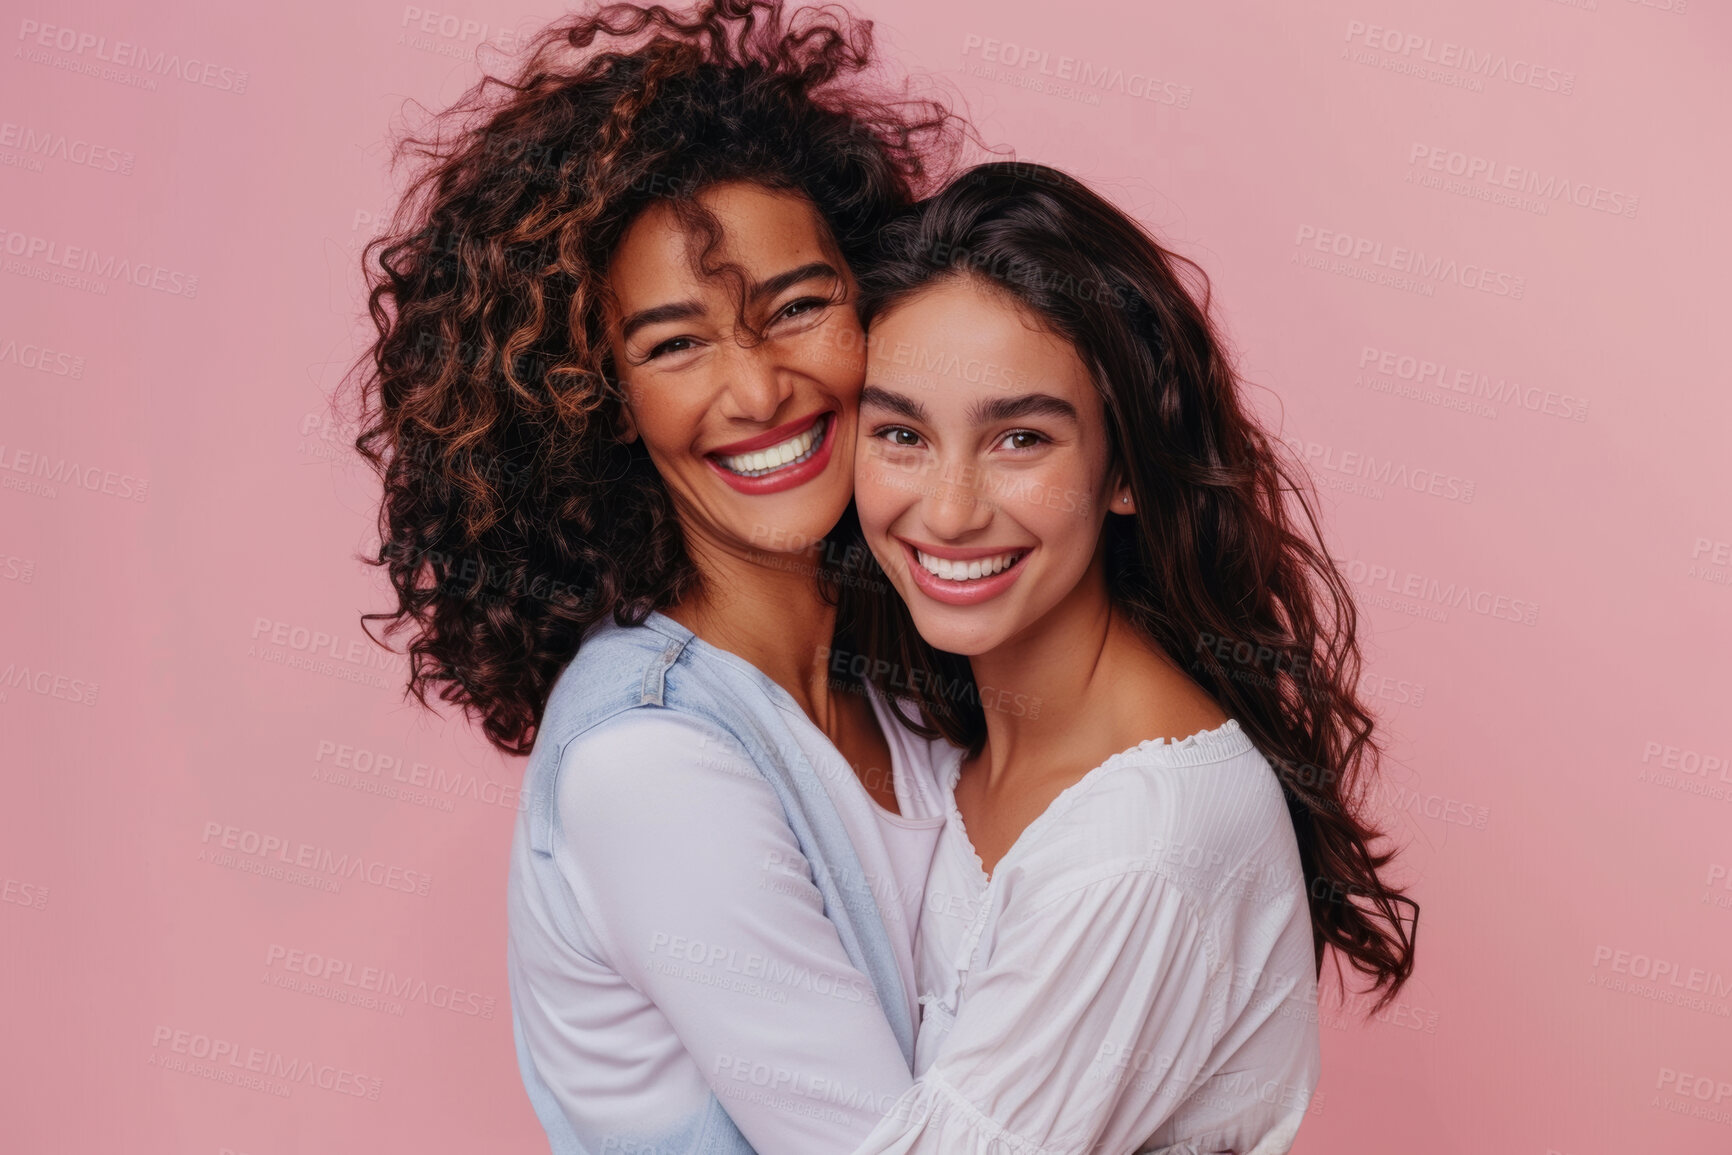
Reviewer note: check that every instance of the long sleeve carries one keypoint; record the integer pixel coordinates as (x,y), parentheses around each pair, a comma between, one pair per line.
(697,894)
(1095,1016)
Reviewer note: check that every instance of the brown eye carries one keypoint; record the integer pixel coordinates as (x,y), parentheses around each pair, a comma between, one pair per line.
(801,307)
(672,345)
(1023,439)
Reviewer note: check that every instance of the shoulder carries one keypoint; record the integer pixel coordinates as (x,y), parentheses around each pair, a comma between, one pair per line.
(1197,812)
(618,743)
(648,757)
(606,675)
(656,663)
(651,793)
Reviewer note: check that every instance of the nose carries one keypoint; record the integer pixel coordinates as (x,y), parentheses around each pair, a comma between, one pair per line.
(956,505)
(755,385)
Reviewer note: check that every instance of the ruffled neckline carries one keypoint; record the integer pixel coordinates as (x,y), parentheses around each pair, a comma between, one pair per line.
(1213,745)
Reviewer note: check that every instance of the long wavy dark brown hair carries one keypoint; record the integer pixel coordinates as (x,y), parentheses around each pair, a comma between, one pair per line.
(1222,565)
(513,516)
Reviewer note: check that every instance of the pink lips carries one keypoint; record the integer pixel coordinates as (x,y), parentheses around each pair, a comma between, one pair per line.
(966,593)
(782,479)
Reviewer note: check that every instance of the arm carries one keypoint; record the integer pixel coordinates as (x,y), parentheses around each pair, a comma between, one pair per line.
(696,889)
(1093,1019)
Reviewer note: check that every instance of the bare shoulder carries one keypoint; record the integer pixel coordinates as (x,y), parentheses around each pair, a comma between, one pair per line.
(1156,697)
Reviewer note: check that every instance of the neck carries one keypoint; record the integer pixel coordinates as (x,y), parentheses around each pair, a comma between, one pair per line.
(1063,666)
(767,609)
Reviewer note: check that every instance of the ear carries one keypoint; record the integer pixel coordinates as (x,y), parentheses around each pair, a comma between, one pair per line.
(627,422)
(1122,501)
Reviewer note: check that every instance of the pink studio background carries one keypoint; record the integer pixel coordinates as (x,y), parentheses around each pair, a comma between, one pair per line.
(1536,415)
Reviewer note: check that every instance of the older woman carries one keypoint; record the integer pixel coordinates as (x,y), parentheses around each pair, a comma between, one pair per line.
(615,391)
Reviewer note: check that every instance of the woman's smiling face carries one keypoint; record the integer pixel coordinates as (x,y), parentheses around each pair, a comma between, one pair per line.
(754,439)
(983,474)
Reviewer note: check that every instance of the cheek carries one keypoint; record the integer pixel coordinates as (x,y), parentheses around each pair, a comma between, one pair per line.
(881,490)
(1058,505)
(870,496)
(665,421)
(833,353)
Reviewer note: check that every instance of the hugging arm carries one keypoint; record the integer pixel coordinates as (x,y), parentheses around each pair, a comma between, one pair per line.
(695,887)
(1092,1021)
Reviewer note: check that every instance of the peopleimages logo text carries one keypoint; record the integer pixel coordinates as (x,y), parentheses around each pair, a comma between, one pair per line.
(1088,74)
(1434,592)
(1413,262)
(309,856)
(1488,65)
(1547,188)
(1502,390)
(64,471)
(83,259)
(123,54)
(258,1061)
(73,150)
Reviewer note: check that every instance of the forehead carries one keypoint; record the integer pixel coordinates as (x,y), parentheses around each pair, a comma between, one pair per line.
(764,231)
(957,339)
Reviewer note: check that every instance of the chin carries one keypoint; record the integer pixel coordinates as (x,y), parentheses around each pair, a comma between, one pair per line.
(793,522)
(951,631)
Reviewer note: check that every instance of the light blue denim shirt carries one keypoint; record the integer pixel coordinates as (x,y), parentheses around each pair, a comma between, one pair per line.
(618,673)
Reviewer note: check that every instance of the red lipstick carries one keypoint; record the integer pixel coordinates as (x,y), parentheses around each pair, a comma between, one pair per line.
(789,476)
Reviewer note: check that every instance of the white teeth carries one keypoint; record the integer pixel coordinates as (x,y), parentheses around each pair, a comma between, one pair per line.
(796,448)
(963,571)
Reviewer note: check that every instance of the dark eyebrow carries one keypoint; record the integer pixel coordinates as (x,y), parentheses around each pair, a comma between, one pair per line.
(895,402)
(684,310)
(678,311)
(1028,405)
(782,281)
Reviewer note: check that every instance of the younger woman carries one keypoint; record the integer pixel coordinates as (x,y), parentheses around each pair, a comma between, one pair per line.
(1149,671)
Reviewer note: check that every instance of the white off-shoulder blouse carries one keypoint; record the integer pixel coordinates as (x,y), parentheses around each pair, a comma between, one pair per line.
(1136,976)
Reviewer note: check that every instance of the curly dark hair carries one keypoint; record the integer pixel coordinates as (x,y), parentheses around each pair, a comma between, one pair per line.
(1222,564)
(513,516)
